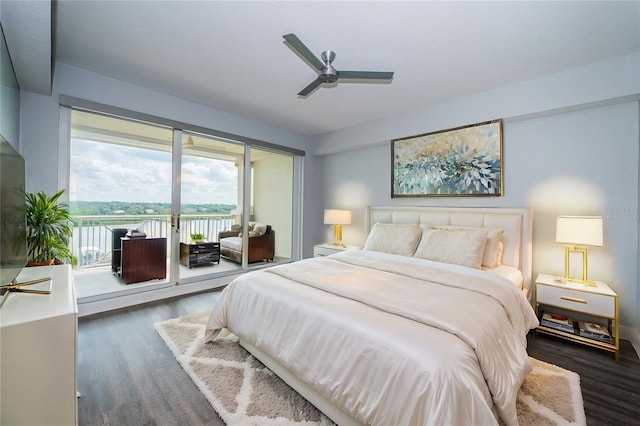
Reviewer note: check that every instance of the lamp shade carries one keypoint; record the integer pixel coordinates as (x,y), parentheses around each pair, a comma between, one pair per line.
(584,230)
(337,217)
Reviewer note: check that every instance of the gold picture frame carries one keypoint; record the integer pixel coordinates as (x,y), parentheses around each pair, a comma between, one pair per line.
(458,162)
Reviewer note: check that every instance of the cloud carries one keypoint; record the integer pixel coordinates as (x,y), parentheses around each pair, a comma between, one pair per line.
(108,172)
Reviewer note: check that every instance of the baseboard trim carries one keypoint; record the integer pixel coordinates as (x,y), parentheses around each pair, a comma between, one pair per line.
(632,335)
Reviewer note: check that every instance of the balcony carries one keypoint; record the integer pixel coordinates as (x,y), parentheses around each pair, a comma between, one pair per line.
(92,245)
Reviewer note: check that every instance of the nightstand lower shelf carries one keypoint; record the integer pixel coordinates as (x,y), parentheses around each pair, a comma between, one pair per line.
(581,339)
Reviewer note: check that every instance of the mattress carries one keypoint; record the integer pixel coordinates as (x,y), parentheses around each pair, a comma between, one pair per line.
(512,274)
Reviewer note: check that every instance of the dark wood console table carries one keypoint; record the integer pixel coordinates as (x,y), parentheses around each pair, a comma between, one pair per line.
(143,259)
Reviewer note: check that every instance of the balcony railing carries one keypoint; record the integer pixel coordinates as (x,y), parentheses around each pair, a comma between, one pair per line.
(92,240)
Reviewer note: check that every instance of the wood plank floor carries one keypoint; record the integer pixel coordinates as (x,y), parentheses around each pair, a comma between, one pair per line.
(127,375)
(610,389)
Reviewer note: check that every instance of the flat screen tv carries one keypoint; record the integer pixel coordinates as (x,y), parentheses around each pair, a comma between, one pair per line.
(13,243)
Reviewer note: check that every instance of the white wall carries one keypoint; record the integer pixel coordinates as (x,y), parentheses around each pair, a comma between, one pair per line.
(273,198)
(571,146)
(610,81)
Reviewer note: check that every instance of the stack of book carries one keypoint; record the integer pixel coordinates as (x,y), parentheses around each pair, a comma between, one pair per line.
(595,331)
(557,322)
(134,233)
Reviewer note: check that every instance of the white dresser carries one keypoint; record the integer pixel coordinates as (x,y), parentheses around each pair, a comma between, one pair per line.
(38,352)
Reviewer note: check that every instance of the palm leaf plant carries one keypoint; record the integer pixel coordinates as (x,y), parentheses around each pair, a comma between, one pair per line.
(49,227)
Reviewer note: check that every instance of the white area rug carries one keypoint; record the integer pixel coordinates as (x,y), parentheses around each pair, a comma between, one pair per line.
(245,392)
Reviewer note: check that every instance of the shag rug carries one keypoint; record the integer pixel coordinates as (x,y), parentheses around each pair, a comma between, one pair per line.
(245,392)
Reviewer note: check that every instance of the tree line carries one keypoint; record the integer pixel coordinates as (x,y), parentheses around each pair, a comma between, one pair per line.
(107,208)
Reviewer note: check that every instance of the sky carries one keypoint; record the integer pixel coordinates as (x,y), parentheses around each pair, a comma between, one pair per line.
(108,172)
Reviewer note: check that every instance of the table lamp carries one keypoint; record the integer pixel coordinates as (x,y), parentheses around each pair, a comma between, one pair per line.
(574,231)
(337,218)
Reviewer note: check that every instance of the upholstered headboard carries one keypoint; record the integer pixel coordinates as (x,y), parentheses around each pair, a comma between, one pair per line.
(516,223)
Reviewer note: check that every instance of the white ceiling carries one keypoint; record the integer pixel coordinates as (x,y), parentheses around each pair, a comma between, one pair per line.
(230,55)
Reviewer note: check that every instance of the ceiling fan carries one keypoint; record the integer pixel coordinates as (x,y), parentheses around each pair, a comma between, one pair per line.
(326,72)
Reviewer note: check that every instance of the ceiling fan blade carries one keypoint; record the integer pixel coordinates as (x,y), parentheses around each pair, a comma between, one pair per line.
(364,75)
(310,88)
(303,51)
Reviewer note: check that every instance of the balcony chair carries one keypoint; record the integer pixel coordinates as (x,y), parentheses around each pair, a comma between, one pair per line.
(261,244)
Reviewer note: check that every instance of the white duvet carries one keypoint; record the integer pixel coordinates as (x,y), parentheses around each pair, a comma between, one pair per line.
(389,339)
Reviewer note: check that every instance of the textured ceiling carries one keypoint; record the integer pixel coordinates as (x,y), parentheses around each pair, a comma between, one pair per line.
(230,55)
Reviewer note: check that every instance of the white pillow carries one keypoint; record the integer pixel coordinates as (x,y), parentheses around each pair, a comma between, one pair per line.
(457,246)
(499,253)
(394,238)
(259,229)
(494,236)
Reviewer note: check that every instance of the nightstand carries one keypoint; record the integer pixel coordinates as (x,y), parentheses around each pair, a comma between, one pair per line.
(327,249)
(571,307)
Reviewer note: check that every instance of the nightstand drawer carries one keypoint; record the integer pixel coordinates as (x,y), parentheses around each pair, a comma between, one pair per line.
(324,251)
(582,301)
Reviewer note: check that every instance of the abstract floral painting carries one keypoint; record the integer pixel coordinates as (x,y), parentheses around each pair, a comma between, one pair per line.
(465,161)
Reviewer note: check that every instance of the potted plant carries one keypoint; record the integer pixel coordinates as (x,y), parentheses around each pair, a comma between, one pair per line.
(197,237)
(49,228)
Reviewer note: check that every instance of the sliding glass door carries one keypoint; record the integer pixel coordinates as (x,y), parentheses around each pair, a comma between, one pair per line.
(120,200)
(218,206)
(211,194)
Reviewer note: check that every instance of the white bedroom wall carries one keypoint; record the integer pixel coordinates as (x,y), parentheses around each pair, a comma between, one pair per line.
(580,156)
(612,81)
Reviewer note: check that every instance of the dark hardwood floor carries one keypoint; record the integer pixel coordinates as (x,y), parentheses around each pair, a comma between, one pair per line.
(127,375)
(610,389)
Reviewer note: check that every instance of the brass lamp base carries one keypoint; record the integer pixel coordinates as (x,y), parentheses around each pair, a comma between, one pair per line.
(567,265)
(337,236)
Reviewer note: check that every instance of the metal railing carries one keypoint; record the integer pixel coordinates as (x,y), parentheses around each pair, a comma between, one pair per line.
(92,240)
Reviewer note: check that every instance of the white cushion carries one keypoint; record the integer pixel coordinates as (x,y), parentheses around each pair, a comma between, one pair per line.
(394,238)
(457,246)
(233,243)
(490,253)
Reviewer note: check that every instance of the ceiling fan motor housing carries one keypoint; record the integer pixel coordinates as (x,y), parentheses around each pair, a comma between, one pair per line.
(328,74)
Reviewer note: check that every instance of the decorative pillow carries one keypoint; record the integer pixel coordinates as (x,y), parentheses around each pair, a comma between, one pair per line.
(458,246)
(256,229)
(394,238)
(494,235)
(499,253)
(259,229)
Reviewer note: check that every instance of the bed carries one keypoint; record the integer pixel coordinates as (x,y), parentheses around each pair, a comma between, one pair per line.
(413,329)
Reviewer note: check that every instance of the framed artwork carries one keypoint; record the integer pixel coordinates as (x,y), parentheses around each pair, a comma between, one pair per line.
(465,161)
